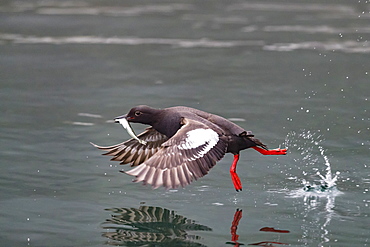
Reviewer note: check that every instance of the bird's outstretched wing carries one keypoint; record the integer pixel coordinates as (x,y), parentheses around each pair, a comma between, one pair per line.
(132,151)
(186,156)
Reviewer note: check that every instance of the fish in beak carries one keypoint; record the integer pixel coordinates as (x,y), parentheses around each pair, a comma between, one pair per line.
(125,124)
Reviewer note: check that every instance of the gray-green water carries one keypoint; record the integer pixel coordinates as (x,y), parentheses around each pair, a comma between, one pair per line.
(296,73)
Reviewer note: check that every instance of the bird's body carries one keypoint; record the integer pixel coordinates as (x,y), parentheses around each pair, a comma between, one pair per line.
(182,145)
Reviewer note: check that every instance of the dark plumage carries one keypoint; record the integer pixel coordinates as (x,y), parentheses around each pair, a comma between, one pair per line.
(182,145)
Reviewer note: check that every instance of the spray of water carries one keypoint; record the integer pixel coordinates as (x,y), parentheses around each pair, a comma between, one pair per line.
(308,144)
(319,184)
(328,180)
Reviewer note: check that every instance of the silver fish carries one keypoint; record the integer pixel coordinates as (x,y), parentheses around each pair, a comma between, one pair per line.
(125,124)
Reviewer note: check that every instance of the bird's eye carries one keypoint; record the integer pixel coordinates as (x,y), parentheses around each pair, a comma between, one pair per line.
(137,113)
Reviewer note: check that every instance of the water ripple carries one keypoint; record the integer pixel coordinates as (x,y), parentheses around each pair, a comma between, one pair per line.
(345,46)
(116,11)
(83,8)
(182,43)
(290,7)
(316,29)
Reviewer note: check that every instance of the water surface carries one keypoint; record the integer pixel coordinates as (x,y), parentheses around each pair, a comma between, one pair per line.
(295,73)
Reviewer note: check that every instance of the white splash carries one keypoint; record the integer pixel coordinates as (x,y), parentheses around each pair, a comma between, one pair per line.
(318,198)
(306,142)
(328,180)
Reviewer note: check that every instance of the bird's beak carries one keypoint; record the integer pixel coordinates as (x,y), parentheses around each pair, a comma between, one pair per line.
(116,119)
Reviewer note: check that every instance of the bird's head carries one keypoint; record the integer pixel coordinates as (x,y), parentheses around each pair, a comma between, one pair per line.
(139,114)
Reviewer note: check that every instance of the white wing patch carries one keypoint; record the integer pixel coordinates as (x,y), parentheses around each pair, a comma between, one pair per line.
(199,137)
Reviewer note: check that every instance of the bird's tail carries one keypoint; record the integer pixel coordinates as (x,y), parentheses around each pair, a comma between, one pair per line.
(258,142)
(249,135)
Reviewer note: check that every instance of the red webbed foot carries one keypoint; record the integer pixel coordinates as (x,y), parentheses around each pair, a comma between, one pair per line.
(277,151)
(236,181)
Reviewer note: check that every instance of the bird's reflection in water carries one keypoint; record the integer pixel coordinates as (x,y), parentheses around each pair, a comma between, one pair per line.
(235,237)
(234,227)
(150,226)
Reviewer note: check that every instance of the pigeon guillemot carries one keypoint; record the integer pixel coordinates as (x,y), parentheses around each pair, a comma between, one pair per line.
(181,145)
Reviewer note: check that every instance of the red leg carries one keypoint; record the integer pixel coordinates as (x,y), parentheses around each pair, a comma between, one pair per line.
(234,176)
(276,151)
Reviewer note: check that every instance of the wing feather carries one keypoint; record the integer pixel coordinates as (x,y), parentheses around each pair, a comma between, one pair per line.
(132,151)
(186,156)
